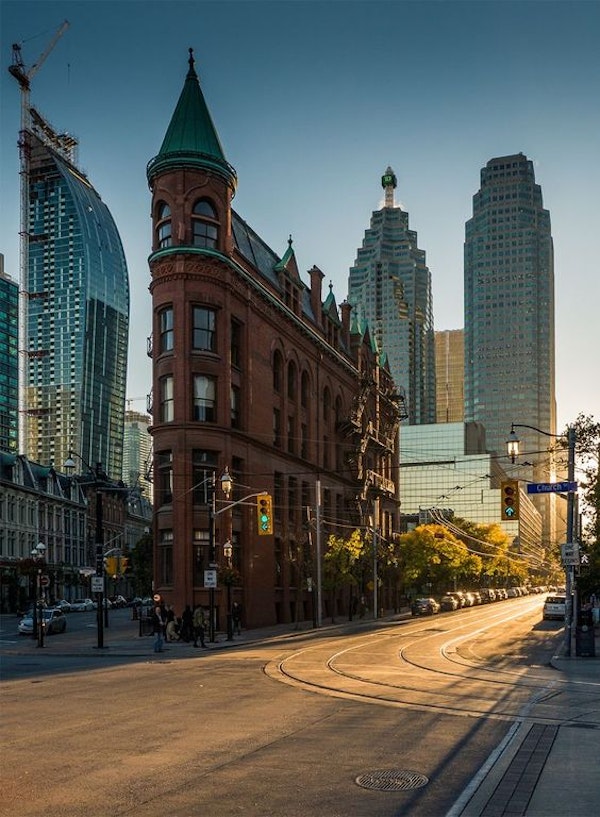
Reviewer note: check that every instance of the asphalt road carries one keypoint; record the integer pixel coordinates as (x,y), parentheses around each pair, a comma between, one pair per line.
(329,723)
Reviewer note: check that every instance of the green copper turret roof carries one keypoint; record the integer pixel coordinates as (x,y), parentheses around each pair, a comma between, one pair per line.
(191,139)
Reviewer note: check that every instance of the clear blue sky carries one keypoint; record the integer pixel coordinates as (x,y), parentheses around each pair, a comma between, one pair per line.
(312,101)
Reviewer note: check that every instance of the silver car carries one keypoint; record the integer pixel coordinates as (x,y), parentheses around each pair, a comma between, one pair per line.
(53,620)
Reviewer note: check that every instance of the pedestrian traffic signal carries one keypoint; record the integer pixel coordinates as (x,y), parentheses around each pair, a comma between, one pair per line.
(509,509)
(264,515)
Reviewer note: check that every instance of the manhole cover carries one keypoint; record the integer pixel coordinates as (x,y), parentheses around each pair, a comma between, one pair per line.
(392,780)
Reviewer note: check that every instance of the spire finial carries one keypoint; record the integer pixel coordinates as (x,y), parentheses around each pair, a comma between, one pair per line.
(191,61)
(290,240)
(331,286)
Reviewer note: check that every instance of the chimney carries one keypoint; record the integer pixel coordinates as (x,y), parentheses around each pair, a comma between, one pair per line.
(316,279)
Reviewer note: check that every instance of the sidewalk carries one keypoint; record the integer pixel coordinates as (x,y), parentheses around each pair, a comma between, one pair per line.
(544,770)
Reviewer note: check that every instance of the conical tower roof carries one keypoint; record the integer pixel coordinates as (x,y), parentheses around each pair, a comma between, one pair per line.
(191,139)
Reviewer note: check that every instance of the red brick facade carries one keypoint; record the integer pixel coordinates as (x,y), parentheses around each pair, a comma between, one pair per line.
(253,372)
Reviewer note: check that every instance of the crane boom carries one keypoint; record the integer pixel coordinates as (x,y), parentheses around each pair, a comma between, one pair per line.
(18,70)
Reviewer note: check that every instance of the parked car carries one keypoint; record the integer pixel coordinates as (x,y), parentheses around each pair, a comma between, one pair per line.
(425,607)
(82,606)
(554,607)
(54,622)
(448,603)
(63,605)
(106,604)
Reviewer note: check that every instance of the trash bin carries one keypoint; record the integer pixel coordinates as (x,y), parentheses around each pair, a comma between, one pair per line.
(584,642)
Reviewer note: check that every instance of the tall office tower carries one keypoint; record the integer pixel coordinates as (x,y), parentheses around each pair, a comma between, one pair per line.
(450,375)
(509,315)
(137,452)
(390,289)
(9,362)
(76,308)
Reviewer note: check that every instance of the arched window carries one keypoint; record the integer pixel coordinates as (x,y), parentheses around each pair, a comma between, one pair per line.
(163,225)
(304,390)
(326,404)
(205,225)
(277,371)
(292,385)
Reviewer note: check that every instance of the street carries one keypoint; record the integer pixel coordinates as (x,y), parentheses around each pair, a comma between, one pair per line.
(282,727)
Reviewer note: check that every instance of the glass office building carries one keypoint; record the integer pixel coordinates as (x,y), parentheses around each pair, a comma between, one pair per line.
(509,305)
(9,362)
(450,375)
(389,287)
(77,318)
(509,315)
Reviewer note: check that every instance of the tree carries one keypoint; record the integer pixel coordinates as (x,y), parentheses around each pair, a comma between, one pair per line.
(340,563)
(432,556)
(587,452)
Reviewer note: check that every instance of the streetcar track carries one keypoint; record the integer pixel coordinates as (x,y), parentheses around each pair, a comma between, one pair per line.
(363,686)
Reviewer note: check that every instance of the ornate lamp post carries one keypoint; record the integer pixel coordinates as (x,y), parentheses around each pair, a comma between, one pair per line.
(38,554)
(226,485)
(513,451)
(228,553)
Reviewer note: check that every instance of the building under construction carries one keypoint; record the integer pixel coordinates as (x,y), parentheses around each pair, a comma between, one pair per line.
(73,300)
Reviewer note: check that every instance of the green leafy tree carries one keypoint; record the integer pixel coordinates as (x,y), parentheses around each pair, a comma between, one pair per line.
(341,564)
(432,556)
(587,454)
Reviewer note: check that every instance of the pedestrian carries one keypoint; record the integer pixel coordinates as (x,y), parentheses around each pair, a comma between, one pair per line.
(236,617)
(199,624)
(158,628)
(187,624)
(171,633)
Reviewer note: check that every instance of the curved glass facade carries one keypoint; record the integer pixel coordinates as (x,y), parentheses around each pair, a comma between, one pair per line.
(78,319)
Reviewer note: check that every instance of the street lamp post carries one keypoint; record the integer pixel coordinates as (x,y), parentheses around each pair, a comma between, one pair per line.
(38,555)
(228,553)
(513,451)
(226,484)
(99,539)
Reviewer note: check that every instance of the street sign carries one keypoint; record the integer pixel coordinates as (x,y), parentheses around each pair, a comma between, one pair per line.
(570,553)
(44,581)
(551,487)
(210,578)
(97,584)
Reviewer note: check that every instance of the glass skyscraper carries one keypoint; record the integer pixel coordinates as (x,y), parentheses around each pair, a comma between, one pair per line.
(77,311)
(509,314)
(390,288)
(9,361)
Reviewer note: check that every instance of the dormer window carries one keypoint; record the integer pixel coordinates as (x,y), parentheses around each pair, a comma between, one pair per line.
(163,225)
(205,225)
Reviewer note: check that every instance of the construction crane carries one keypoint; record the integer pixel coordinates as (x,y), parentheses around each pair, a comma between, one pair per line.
(24,75)
(17,69)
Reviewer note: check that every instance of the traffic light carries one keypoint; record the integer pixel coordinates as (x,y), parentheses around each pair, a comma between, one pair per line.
(111,564)
(123,564)
(509,509)
(264,515)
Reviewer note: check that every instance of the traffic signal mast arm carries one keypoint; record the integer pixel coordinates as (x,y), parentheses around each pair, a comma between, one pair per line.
(239,501)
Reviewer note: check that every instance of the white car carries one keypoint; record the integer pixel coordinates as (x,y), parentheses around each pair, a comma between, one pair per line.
(64,605)
(82,606)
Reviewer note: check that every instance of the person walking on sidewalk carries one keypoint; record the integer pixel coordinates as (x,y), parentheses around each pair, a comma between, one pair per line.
(236,617)
(187,624)
(199,624)
(158,625)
